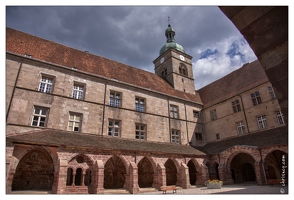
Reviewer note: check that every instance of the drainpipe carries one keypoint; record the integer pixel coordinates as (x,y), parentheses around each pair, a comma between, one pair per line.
(12,94)
(262,166)
(244,113)
(168,113)
(186,124)
(104,104)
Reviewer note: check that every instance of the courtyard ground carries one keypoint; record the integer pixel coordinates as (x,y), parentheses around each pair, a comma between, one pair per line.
(229,189)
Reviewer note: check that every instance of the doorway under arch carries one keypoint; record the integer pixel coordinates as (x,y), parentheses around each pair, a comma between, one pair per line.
(192,172)
(35,171)
(276,165)
(171,172)
(242,168)
(114,173)
(145,173)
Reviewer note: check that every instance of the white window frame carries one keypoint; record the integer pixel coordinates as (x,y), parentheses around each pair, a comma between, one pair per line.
(236,106)
(46,84)
(175,136)
(140,131)
(115,99)
(256,98)
(40,116)
(271,92)
(113,128)
(261,122)
(240,127)
(140,104)
(280,117)
(74,122)
(174,111)
(78,91)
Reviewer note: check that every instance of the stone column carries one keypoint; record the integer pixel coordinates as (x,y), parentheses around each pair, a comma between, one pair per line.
(161,176)
(83,179)
(205,174)
(258,173)
(62,175)
(11,164)
(184,176)
(98,175)
(133,186)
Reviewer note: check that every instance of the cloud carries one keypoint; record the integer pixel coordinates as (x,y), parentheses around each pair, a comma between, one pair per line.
(227,56)
(134,34)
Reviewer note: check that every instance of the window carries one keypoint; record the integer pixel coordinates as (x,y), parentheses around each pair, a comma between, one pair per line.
(280,117)
(140,131)
(261,122)
(74,122)
(40,116)
(78,91)
(174,111)
(271,92)
(236,106)
(46,84)
(240,127)
(198,136)
(175,136)
(213,114)
(115,99)
(196,114)
(217,136)
(140,104)
(182,69)
(256,99)
(164,72)
(114,128)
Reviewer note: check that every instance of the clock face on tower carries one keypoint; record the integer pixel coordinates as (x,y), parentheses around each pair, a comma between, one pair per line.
(161,60)
(182,58)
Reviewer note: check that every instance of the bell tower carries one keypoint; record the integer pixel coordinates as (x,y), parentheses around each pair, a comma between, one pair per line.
(174,65)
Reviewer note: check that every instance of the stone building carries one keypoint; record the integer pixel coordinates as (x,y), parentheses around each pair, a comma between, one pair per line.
(80,123)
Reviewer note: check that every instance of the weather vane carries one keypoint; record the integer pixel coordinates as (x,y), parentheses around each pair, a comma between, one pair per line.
(168,19)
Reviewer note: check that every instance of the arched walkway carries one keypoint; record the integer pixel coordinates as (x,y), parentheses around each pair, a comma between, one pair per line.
(276,165)
(114,173)
(145,173)
(35,171)
(242,168)
(171,172)
(192,172)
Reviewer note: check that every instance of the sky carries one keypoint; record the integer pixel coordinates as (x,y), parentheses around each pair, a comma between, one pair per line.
(133,35)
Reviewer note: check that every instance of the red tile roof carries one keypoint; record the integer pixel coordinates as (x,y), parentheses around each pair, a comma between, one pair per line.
(248,76)
(262,139)
(22,43)
(70,139)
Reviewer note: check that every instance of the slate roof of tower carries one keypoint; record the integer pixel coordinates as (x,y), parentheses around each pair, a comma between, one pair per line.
(247,77)
(44,50)
(69,139)
(266,138)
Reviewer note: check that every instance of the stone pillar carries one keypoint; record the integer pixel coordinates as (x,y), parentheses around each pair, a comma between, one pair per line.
(98,175)
(83,179)
(205,174)
(258,173)
(184,176)
(221,172)
(11,164)
(62,175)
(133,185)
(161,176)
(73,178)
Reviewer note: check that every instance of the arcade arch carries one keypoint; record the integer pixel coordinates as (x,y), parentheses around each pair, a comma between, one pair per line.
(35,171)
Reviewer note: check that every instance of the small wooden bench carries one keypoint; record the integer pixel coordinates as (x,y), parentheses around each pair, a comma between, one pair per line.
(168,187)
(272,182)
